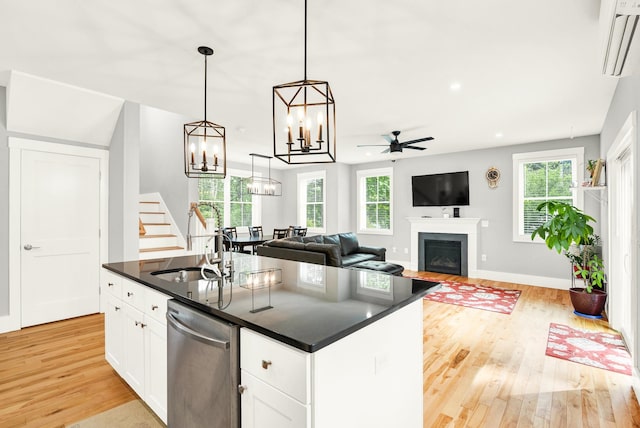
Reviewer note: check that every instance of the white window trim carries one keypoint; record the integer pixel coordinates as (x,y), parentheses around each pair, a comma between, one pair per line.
(256,202)
(302,206)
(362,175)
(574,153)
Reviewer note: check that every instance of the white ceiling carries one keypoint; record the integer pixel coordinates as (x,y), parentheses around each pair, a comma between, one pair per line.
(527,69)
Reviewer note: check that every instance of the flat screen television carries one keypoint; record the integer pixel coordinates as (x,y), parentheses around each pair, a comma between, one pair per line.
(440,190)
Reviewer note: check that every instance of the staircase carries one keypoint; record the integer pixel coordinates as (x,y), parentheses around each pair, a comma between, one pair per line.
(158,235)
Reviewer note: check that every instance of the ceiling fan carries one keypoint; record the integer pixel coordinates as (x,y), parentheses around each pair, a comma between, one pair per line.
(396,146)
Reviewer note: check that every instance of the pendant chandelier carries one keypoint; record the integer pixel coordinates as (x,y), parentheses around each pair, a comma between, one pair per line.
(304,118)
(263,186)
(205,146)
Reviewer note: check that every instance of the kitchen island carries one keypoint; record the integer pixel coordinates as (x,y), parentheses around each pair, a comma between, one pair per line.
(350,340)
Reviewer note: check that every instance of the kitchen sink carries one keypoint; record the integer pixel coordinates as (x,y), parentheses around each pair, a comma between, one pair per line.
(188,274)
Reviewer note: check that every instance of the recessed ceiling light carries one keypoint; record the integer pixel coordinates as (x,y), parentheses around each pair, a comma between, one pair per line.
(455,86)
(499,135)
(368,154)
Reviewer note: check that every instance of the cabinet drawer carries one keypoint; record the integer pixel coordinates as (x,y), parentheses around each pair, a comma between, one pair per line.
(111,283)
(277,364)
(156,305)
(133,294)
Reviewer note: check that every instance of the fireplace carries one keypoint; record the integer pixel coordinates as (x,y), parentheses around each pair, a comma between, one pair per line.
(443,253)
(467,226)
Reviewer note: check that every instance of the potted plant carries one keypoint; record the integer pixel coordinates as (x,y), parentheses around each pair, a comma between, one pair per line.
(567,229)
(591,166)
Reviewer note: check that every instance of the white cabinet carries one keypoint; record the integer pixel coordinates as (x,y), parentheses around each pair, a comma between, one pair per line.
(275,382)
(113,328)
(136,338)
(133,341)
(155,367)
(264,406)
(371,378)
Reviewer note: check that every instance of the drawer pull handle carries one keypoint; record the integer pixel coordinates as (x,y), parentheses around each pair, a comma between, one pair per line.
(266,364)
(117,308)
(139,323)
(129,294)
(241,388)
(154,307)
(110,284)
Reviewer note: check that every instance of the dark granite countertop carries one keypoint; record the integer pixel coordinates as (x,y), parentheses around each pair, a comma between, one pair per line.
(311,306)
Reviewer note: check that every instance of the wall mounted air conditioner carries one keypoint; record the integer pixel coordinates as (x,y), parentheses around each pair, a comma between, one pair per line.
(620,33)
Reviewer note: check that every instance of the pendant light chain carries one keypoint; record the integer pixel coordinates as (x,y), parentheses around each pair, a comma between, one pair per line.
(205,88)
(305,39)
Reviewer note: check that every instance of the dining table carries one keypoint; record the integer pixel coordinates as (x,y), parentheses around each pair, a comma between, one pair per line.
(240,242)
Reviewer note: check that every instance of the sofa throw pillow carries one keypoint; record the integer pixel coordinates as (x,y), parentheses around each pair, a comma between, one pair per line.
(313,238)
(331,251)
(349,243)
(332,239)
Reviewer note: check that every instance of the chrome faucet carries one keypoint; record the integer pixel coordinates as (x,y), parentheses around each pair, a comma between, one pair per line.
(219,236)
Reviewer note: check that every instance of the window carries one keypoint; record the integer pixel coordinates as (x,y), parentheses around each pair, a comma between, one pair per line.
(543,176)
(240,201)
(232,199)
(311,201)
(375,203)
(211,190)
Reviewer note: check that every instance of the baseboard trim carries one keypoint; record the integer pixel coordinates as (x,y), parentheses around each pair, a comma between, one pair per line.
(636,380)
(516,278)
(9,323)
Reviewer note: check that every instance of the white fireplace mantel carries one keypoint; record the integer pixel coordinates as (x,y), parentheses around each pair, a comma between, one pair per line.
(461,225)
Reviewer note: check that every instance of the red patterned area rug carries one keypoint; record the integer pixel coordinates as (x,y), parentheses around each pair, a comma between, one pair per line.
(475,296)
(591,348)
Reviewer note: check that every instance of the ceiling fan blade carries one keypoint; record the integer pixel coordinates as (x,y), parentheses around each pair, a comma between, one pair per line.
(419,140)
(372,145)
(385,151)
(415,148)
(387,137)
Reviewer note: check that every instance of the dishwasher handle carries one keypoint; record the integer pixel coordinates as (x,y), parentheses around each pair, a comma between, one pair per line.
(173,321)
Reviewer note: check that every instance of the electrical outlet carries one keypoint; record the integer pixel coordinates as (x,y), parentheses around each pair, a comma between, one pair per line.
(484,257)
(485,223)
(406,251)
(393,249)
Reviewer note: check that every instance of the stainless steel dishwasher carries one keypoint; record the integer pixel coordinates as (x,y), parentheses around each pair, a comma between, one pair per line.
(203,369)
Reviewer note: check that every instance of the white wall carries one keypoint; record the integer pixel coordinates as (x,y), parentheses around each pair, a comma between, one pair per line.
(340,191)
(124,185)
(494,205)
(4,206)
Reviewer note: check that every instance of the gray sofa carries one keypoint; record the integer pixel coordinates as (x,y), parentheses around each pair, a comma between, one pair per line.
(341,249)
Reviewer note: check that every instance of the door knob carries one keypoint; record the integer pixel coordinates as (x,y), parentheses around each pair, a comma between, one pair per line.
(29,247)
(241,388)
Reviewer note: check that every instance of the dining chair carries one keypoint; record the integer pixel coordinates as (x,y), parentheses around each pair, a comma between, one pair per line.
(298,231)
(231,233)
(280,233)
(255,232)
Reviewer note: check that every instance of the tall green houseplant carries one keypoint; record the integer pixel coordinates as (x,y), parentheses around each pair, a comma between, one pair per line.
(567,225)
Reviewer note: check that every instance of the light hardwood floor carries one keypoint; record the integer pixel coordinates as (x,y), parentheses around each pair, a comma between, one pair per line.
(55,374)
(484,369)
(481,369)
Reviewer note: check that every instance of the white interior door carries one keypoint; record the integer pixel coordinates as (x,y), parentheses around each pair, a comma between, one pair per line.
(59,229)
(622,263)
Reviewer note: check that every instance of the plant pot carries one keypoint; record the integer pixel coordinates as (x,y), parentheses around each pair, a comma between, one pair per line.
(588,303)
